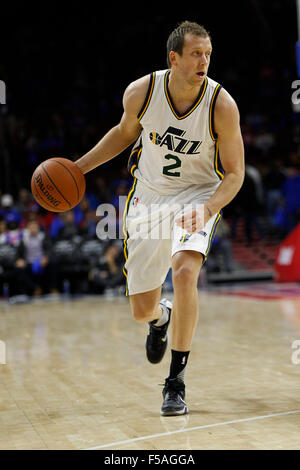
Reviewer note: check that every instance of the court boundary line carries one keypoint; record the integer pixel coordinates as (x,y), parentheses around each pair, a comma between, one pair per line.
(194,428)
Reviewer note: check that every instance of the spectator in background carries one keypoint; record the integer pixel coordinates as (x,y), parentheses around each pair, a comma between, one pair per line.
(102,191)
(34,269)
(221,258)
(87,227)
(273,180)
(81,210)
(255,175)
(97,191)
(56,224)
(123,180)
(3,237)
(14,233)
(25,202)
(69,229)
(247,208)
(42,216)
(291,194)
(108,274)
(7,208)
(264,140)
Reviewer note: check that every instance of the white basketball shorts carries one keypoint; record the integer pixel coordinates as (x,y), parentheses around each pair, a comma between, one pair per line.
(152,236)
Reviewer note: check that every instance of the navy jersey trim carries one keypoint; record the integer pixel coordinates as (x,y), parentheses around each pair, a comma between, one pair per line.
(192,107)
(148,96)
(212,131)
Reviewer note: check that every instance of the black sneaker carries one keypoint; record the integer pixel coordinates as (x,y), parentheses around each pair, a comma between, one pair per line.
(174,398)
(157,339)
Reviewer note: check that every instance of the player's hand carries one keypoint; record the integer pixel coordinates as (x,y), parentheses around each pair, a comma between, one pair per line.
(194,221)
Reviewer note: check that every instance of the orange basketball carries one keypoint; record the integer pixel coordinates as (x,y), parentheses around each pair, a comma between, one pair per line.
(58,184)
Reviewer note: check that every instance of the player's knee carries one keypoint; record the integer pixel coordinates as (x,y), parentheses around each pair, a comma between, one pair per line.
(141,313)
(144,306)
(185,276)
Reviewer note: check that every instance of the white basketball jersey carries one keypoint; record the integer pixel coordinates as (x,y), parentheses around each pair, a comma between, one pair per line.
(176,151)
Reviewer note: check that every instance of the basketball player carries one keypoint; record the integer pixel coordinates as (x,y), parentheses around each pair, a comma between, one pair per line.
(188,153)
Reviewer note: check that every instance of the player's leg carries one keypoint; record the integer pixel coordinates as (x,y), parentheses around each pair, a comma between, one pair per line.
(142,277)
(148,307)
(148,259)
(188,252)
(186,267)
(145,306)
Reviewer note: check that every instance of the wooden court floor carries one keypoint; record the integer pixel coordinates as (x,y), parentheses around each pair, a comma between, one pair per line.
(76,377)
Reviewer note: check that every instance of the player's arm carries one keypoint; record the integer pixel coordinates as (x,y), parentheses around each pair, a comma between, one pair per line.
(231,151)
(122,135)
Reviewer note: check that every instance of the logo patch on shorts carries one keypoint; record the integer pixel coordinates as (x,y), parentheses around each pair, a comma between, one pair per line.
(185,238)
(135,201)
(203,233)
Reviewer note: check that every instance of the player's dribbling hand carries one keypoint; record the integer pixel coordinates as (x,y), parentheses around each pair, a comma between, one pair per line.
(194,221)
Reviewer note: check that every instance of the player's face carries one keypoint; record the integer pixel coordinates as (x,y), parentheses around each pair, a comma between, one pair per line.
(194,61)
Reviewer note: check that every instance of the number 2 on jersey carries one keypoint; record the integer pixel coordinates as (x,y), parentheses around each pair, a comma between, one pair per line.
(167,168)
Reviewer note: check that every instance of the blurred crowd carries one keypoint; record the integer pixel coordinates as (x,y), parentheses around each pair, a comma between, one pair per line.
(65,114)
(43,252)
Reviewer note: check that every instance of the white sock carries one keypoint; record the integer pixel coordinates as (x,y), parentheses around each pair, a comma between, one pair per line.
(163,318)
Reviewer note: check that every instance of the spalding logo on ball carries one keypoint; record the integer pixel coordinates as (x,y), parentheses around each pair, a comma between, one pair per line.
(58,184)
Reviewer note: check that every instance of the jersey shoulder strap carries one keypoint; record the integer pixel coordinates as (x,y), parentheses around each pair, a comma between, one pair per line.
(155,78)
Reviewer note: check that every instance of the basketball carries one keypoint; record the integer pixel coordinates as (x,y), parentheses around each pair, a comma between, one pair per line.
(58,184)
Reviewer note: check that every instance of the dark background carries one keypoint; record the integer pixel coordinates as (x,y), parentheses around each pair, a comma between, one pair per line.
(66,67)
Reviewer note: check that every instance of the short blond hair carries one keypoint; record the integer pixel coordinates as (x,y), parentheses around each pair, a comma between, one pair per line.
(175,40)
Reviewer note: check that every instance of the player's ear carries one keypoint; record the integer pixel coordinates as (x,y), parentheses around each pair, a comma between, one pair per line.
(173,58)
